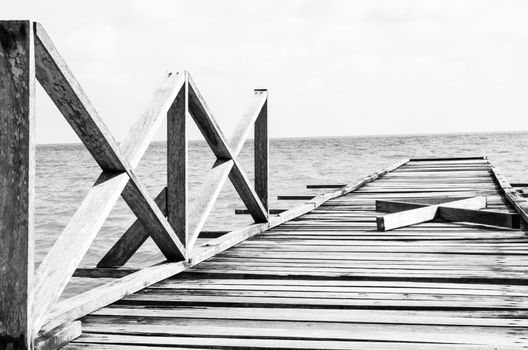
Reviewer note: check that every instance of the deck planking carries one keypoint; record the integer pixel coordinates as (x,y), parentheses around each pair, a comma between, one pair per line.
(329,280)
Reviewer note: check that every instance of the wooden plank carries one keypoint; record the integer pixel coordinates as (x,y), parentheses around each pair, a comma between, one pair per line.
(261,145)
(480,217)
(271,211)
(431,334)
(450,159)
(75,307)
(295,197)
(249,196)
(58,337)
(515,198)
(177,165)
(396,206)
(58,81)
(418,215)
(209,191)
(264,343)
(17,182)
(379,317)
(317,186)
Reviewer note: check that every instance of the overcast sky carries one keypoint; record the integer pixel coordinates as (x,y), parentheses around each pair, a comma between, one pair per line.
(332,67)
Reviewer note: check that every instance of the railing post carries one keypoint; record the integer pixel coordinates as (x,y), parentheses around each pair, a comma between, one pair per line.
(177,164)
(17,170)
(261,152)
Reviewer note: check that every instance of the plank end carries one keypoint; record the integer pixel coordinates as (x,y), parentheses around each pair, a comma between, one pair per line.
(58,337)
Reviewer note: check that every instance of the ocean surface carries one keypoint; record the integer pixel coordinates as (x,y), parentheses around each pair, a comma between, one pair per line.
(66,172)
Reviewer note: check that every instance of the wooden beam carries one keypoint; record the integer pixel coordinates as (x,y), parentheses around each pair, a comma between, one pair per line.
(482,217)
(206,123)
(64,90)
(261,150)
(17,181)
(248,195)
(516,199)
(271,211)
(223,167)
(445,158)
(144,129)
(423,214)
(177,164)
(59,337)
(500,219)
(295,197)
(325,186)
(396,206)
(519,184)
(406,218)
(203,204)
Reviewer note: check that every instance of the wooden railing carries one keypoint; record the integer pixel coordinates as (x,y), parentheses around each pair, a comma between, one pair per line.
(31,315)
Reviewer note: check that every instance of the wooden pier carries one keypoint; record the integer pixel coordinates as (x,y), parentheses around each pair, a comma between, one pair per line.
(425,254)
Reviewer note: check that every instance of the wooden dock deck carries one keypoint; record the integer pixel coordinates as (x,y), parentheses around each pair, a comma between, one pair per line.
(382,263)
(329,280)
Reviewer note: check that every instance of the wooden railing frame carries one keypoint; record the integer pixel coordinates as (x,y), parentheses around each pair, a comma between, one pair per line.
(30,315)
(27,52)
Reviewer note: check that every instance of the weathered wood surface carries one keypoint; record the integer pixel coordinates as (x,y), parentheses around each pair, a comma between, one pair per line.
(328,280)
(92,300)
(17,176)
(261,154)
(424,214)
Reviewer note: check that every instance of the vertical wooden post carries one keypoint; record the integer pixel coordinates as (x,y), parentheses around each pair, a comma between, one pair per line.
(261,152)
(177,164)
(17,170)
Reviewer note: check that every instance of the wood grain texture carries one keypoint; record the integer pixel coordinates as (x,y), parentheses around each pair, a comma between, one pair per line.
(261,156)
(125,247)
(426,213)
(516,199)
(58,337)
(79,233)
(65,91)
(17,181)
(223,167)
(62,259)
(177,164)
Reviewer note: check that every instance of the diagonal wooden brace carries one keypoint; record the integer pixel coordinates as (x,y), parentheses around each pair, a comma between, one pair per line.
(223,168)
(117,162)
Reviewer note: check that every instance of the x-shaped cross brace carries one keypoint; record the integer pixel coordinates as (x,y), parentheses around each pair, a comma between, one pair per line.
(465,210)
(173,99)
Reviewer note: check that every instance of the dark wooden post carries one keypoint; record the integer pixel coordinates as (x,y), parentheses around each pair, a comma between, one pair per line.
(177,164)
(261,153)
(17,169)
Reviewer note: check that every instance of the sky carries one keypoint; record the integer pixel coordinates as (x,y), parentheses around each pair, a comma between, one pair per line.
(332,68)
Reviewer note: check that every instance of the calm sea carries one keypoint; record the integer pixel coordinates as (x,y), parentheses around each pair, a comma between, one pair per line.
(66,172)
